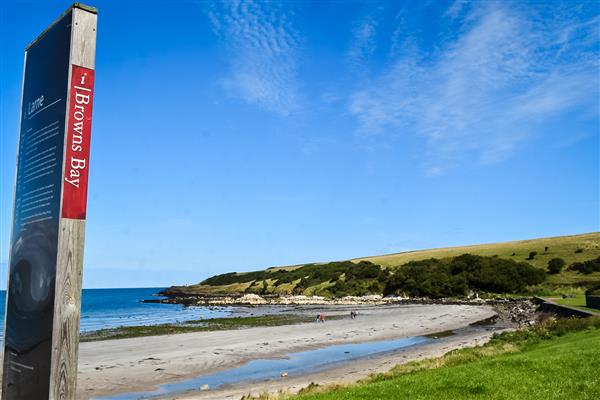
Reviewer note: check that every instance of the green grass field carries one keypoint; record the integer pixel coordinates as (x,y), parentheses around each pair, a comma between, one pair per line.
(563,367)
(564,247)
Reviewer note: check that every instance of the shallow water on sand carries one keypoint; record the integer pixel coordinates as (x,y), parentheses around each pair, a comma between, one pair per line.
(294,364)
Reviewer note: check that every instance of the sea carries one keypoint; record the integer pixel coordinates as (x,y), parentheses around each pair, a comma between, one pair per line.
(111,308)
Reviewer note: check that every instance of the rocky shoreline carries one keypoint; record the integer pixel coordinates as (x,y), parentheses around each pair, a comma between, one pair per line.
(516,311)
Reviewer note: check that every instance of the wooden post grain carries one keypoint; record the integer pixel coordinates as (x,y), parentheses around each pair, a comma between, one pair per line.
(69,264)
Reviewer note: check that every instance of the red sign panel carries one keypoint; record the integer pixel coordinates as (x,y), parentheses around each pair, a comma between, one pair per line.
(77,154)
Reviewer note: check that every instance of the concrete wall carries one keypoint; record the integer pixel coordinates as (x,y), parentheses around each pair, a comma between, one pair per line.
(592,301)
(559,309)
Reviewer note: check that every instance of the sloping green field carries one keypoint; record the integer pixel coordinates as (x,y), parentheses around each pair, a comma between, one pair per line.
(564,247)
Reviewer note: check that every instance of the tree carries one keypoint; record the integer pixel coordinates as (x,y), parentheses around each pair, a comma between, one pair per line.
(265,288)
(455,276)
(532,255)
(555,265)
(586,267)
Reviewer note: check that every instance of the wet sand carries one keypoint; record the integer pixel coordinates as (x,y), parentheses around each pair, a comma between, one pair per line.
(343,374)
(139,364)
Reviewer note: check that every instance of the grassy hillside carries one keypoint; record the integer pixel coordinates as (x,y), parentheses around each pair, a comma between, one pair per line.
(564,247)
(542,366)
(358,277)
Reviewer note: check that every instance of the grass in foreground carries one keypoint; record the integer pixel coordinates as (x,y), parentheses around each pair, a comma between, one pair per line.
(555,360)
(216,324)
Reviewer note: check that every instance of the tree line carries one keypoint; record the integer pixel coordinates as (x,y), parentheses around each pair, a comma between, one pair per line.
(435,278)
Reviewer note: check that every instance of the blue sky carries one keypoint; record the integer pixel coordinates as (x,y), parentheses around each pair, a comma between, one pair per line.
(236,136)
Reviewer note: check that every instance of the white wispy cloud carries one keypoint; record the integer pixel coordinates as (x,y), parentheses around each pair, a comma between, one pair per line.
(486,91)
(263,46)
(456,8)
(364,41)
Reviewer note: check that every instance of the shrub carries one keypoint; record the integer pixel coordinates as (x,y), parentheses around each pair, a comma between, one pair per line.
(234,277)
(264,288)
(504,276)
(564,325)
(555,265)
(546,329)
(532,255)
(427,278)
(453,277)
(363,270)
(586,267)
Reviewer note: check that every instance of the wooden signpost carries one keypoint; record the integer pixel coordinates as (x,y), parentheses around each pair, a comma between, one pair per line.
(43,297)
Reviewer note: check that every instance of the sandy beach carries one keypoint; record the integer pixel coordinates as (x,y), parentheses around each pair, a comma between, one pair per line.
(118,366)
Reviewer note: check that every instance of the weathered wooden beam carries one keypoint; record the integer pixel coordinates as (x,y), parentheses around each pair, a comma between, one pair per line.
(69,265)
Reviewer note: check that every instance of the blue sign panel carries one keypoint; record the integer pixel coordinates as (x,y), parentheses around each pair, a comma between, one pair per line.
(33,252)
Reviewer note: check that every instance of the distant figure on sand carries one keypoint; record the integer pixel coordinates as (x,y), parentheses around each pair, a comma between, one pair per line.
(353,314)
(321,317)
